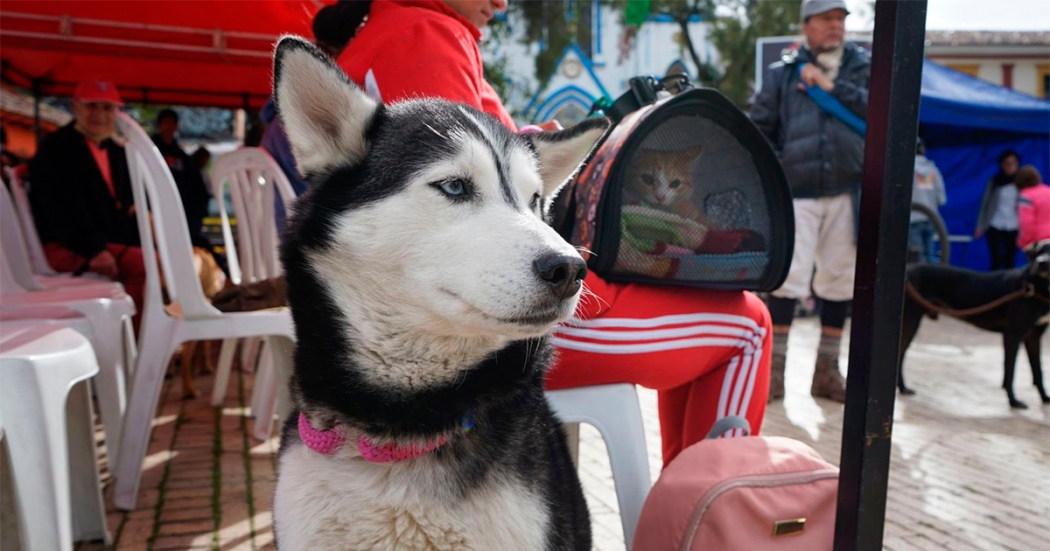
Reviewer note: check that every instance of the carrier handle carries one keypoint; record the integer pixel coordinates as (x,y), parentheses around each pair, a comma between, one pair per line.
(727,424)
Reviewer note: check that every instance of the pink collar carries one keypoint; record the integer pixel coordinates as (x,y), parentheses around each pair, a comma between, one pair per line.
(327,442)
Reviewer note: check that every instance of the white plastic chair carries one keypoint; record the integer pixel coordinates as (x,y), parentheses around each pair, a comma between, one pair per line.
(253,178)
(34,248)
(59,496)
(108,310)
(15,247)
(161,334)
(25,219)
(614,411)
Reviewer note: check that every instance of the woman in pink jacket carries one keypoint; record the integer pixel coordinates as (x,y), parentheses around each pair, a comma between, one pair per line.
(1033,207)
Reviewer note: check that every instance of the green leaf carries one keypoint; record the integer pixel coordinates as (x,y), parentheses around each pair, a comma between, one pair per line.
(636,12)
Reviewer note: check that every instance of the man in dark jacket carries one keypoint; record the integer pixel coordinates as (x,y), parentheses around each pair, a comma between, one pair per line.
(823,159)
(81,197)
(187,176)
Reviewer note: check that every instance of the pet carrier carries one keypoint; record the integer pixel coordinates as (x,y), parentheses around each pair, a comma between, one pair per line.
(685,191)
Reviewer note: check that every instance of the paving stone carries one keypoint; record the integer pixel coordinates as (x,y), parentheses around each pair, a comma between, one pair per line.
(186,514)
(183,541)
(176,528)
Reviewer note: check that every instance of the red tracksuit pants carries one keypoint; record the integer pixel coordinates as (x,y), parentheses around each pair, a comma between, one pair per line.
(707,353)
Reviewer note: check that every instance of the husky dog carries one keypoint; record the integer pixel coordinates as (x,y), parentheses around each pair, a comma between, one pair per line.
(423,282)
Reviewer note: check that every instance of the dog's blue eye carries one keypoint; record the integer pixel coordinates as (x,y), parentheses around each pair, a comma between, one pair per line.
(453,187)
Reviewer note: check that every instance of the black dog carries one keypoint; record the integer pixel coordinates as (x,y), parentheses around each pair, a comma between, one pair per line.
(1021,320)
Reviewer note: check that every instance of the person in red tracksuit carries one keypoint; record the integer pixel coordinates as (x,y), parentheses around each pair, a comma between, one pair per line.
(706,352)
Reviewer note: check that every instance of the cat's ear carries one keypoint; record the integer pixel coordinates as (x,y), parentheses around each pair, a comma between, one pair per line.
(561,153)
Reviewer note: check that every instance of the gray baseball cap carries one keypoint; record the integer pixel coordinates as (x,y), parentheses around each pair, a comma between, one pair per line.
(813,7)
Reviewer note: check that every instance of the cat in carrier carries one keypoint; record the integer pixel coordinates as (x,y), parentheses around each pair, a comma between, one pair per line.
(659,214)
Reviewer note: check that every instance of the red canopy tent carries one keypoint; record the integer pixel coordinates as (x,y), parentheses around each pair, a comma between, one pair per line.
(186,52)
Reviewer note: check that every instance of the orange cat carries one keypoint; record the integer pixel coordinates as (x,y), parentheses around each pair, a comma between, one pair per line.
(660,184)
(664,180)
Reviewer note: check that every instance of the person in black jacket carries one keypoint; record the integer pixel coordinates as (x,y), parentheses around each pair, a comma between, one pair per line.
(81,197)
(823,160)
(188,178)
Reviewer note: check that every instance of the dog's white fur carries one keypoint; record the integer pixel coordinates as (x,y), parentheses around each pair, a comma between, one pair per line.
(341,503)
(431,286)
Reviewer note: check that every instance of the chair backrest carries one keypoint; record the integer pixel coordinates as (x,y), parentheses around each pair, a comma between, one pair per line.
(8,283)
(25,218)
(253,178)
(14,245)
(159,212)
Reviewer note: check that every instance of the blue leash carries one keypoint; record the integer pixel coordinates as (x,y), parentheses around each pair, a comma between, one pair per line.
(834,107)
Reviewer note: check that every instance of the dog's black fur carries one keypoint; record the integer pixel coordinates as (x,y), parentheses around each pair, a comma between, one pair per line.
(1018,320)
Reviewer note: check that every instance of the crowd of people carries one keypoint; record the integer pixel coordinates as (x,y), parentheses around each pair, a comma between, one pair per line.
(81,201)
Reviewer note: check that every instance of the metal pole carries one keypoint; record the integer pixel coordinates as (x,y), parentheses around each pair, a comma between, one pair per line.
(878,295)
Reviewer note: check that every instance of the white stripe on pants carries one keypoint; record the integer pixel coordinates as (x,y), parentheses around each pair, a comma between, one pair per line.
(647,335)
(824,238)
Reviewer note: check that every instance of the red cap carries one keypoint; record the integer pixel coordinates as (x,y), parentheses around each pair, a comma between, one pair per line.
(97,89)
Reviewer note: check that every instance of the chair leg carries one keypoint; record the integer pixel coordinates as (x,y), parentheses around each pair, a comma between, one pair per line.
(264,395)
(572,435)
(278,363)
(89,513)
(222,373)
(39,461)
(261,391)
(283,365)
(250,354)
(131,350)
(142,406)
(614,411)
(110,385)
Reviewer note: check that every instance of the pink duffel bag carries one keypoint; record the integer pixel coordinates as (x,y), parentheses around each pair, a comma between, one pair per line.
(748,494)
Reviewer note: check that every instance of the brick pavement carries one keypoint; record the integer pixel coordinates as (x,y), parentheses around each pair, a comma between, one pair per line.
(967,472)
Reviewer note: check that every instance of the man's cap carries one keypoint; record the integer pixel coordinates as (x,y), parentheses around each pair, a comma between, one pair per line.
(814,7)
(97,89)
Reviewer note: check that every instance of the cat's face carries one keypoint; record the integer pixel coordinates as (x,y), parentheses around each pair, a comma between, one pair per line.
(663,178)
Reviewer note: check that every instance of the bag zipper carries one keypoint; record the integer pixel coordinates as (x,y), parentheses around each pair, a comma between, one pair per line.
(754,481)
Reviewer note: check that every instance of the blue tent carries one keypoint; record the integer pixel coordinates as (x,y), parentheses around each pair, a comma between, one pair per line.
(967,123)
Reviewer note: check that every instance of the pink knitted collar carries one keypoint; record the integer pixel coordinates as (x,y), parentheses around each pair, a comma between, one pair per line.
(327,442)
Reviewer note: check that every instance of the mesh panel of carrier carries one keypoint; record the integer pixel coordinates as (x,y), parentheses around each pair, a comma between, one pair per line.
(686,192)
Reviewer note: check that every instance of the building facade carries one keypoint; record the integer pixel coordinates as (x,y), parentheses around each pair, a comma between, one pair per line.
(1019,60)
(580,79)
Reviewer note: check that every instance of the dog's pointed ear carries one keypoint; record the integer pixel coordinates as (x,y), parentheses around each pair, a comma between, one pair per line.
(325,116)
(561,153)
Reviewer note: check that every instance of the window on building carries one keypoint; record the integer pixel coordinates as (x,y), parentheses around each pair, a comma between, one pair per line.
(971,69)
(1042,72)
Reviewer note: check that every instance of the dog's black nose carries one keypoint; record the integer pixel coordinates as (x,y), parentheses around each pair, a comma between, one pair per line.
(564,274)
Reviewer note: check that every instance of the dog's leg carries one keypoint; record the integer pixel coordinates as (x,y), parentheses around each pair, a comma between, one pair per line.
(909,327)
(1011,344)
(1032,346)
(188,390)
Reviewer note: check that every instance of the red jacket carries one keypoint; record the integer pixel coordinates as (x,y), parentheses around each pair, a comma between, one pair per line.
(421,48)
